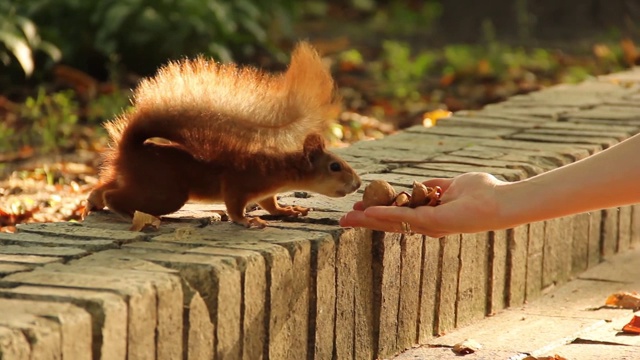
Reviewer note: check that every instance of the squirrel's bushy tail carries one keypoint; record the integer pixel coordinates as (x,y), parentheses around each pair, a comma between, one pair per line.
(214,110)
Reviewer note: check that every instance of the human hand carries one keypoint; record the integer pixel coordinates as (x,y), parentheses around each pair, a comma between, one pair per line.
(468,204)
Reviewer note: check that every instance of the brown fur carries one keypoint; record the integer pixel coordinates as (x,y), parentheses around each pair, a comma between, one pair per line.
(202,130)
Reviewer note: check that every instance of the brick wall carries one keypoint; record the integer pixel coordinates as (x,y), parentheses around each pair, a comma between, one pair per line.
(308,289)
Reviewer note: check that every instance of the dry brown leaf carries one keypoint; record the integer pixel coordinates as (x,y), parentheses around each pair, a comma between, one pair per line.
(143,220)
(468,346)
(554,357)
(431,118)
(625,300)
(633,327)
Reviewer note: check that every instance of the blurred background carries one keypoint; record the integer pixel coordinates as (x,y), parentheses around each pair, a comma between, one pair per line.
(66,66)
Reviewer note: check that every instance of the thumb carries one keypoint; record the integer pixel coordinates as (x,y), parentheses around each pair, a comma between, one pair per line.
(443,183)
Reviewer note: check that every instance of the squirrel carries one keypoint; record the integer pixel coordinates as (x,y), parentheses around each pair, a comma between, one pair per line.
(200,130)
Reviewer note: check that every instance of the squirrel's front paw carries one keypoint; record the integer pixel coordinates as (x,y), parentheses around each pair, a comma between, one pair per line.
(292,211)
(252,222)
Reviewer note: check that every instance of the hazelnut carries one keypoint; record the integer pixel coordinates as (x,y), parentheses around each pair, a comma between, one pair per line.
(418,195)
(378,192)
(403,199)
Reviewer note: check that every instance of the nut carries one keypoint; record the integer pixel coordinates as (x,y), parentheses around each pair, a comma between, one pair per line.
(378,192)
(418,195)
(403,199)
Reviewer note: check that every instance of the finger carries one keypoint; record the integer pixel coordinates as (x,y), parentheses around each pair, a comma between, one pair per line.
(443,183)
(358,206)
(359,219)
(397,214)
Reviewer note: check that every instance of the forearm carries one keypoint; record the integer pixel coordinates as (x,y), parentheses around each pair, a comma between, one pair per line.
(607,179)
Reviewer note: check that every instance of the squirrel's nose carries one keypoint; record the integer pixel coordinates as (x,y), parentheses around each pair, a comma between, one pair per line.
(356,183)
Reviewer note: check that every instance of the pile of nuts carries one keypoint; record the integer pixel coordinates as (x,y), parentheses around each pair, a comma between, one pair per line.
(381,193)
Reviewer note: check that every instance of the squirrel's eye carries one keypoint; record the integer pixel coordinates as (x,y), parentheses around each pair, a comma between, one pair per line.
(335,166)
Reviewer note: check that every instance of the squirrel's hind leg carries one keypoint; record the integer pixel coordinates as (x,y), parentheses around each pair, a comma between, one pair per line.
(95,201)
(126,202)
(271,205)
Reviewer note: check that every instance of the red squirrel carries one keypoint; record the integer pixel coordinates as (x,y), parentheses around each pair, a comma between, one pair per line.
(205,131)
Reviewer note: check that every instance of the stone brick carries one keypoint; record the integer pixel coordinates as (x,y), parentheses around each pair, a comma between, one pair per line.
(409,285)
(199,337)
(556,264)
(168,290)
(542,111)
(429,288)
(498,271)
(601,142)
(635,225)
(298,245)
(449,270)
(363,284)
(322,307)
(471,303)
(351,317)
(619,131)
(517,259)
(279,291)
(253,278)
(490,132)
(528,168)
(541,158)
(6,269)
(609,240)
(138,293)
(508,174)
(43,251)
(580,131)
(108,314)
(74,322)
(44,335)
(624,228)
(573,151)
(481,122)
(215,278)
(580,243)
(535,249)
(621,114)
(13,344)
(31,239)
(271,244)
(80,231)
(386,275)
(595,238)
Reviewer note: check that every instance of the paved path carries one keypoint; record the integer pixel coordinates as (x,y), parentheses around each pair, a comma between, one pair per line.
(570,321)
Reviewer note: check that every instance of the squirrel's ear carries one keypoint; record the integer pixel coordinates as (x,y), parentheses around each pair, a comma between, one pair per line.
(313,146)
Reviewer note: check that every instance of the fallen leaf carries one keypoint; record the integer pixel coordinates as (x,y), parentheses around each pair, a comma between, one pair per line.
(431,118)
(625,300)
(143,220)
(468,346)
(633,327)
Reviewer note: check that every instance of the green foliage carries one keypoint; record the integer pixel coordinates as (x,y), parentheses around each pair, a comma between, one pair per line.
(19,40)
(406,18)
(107,106)
(460,58)
(142,34)
(403,72)
(7,134)
(51,119)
